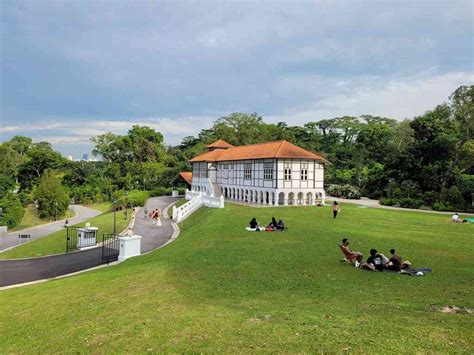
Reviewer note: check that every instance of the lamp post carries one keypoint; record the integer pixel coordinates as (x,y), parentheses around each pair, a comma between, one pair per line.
(55,210)
(144,184)
(114,203)
(36,207)
(126,204)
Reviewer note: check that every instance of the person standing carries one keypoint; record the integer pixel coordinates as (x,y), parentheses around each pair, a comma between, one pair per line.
(335,209)
(145,213)
(158,217)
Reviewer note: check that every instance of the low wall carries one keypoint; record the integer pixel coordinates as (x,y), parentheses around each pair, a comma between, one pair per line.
(195,201)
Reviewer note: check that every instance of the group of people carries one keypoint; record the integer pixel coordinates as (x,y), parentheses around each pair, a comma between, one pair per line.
(271,227)
(154,215)
(376,261)
(457,219)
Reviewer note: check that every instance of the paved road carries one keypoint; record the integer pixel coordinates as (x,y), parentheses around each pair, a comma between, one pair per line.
(82,214)
(19,271)
(375,204)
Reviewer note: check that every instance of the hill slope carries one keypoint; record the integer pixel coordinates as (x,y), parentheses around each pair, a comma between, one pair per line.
(220,288)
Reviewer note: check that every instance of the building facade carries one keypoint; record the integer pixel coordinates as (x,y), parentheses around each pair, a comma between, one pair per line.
(273,173)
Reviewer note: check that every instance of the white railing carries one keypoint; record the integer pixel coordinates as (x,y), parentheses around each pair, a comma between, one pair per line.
(196,200)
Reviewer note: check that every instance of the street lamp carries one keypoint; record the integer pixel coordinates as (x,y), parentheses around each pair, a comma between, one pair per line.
(126,204)
(36,206)
(114,203)
(55,210)
(144,184)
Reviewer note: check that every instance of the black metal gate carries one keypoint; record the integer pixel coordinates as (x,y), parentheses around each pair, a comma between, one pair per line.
(110,247)
(71,239)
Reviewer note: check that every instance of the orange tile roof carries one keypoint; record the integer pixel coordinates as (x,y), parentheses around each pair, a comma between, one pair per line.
(219,144)
(187,176)
(277,149)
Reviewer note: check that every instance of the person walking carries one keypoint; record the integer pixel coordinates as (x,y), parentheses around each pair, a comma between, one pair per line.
(145,213)
(158,219)
(335,209)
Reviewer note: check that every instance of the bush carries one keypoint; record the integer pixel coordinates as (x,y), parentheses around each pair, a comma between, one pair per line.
(410,203)
(12,210)
(388,201)
(137,198)
(439,206)
(161,191)
(345,191)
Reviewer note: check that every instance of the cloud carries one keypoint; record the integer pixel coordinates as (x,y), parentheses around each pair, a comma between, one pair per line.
(397,97)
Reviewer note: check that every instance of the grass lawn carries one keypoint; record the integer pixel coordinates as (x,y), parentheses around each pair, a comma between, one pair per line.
(218,288)
(30,219)
(55,243)
(178,203)
(102,207)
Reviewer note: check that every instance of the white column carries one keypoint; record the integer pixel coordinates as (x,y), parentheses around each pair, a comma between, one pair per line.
(275,199)
(265,197)
(313,198)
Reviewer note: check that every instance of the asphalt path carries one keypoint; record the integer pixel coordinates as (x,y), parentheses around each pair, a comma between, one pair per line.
(17,271)
(82,214)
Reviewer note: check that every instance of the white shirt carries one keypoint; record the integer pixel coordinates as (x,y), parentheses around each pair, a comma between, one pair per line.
(455,218)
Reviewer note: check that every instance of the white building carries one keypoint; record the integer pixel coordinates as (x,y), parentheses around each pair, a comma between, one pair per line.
(273,173)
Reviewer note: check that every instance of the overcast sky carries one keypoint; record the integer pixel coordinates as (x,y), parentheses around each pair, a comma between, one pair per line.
(74,69)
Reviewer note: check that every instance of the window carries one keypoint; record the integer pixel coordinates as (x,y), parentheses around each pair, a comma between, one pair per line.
(267,171)
(247,171)
(287,171)
(226,166)
(304,171)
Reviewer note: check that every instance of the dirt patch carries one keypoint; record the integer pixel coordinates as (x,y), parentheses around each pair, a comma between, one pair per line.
(453,309)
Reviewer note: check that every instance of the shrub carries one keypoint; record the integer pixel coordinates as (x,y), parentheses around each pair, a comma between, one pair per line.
(439,206)
(161,191)
(137,198)
(345,191)
(410,203)
(12,210)
(388,201)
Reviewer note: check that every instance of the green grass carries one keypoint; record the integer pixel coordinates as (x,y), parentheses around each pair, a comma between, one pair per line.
(218,288)
(55,243)
(30,219)
(102,207)
(178,203)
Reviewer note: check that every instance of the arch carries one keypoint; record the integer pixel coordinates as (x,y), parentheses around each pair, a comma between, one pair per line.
(309,199)
(291,198)
(246,196)
(212,173)
(267,197)
(300,200)
(281,198)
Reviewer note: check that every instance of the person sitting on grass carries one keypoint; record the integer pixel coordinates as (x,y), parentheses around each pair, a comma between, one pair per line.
(349,254)
(455,217)
(395,262)
(374,262)
(281,225)
(253,223)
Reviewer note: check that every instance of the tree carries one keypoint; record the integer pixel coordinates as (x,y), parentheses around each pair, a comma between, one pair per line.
(12,210)
(39,158)
(52,197)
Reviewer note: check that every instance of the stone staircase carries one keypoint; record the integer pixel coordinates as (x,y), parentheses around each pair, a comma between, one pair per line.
(217,190)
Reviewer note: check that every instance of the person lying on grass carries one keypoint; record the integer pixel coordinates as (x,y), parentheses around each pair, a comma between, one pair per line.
(281,225)
(348,253)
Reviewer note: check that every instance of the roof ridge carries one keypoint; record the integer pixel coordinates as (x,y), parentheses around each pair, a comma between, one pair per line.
(279,148)
(248,145)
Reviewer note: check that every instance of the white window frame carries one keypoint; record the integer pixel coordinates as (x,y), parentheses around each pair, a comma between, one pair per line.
(287,171)
(304,171)
(247,171)
(267,171)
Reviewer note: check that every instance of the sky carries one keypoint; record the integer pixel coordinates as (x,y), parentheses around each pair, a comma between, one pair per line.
(71,70)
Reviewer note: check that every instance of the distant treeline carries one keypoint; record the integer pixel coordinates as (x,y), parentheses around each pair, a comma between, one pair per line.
(426,162)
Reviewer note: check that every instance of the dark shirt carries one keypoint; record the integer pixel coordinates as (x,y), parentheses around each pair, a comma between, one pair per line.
(253,224)
(396,262)
(376,261)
